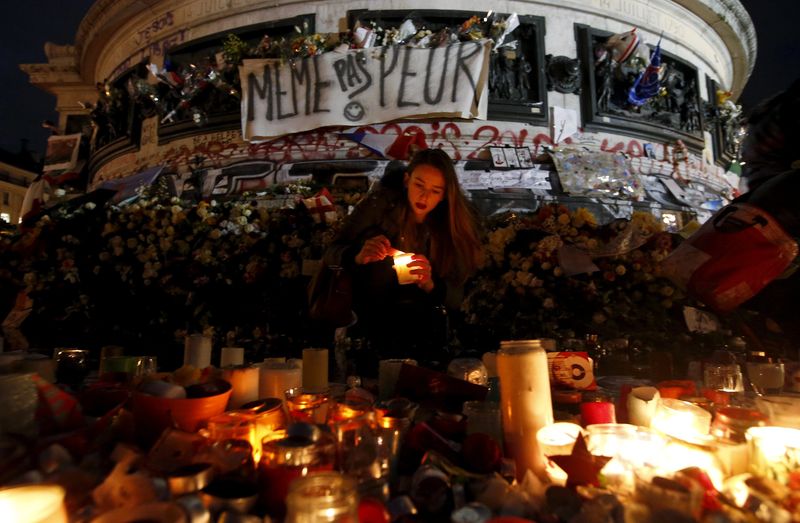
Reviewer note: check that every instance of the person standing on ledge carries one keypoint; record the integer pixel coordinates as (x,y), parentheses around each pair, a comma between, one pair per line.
(420,210)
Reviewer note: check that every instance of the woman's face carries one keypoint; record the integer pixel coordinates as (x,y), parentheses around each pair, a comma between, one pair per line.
(426,189)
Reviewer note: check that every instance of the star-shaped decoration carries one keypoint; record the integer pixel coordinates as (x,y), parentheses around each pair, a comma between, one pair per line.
(582,467)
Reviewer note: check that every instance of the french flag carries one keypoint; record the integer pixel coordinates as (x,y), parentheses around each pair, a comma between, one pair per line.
(398,147)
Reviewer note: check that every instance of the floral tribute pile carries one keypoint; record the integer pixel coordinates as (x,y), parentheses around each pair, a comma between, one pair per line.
(145,273)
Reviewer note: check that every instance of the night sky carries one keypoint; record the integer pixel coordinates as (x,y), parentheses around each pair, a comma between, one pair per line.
(28,24)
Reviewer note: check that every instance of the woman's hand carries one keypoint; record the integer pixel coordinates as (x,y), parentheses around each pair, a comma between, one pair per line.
(421,266)
(374,249)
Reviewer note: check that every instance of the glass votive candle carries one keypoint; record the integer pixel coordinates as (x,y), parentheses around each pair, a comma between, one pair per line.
(731,423)
(723,376)
(108,351)
(304,450)
(401,268)
(774,452)
(469,369)
(232,425)
(632,449)
(269,419)
(766,377)
(322,497)
(33,504)
(72,366)
(308,406)
(484,417)
(682,420)
(558,439)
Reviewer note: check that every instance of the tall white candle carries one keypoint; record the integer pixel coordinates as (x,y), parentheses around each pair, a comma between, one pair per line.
(197,351)
(642,403)
(277,378)
(244,385)
(315,369)
(524,401)
(33,504)
(231,357)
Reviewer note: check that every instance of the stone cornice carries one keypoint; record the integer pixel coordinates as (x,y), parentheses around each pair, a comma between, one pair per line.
(731,21)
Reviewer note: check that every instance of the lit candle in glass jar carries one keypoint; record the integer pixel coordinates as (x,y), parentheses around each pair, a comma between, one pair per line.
(33,504)
(774,451)
(401,261)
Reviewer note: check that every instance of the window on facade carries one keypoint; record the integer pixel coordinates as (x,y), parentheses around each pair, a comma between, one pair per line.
(114,115)
(214,107)
(517,84)
(4,216)
(612,101)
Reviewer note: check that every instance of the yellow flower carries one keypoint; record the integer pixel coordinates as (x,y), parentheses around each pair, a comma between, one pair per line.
(563,219)
(620,270)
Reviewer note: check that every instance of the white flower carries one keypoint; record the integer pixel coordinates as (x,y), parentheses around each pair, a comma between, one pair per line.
(90,205)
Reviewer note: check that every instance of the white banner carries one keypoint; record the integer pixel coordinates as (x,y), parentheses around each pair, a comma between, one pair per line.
(363,86)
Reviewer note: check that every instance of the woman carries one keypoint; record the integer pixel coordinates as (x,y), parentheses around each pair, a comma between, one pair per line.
(421,210)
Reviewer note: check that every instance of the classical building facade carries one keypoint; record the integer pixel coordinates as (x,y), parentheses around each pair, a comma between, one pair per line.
(561,79)
(17,171)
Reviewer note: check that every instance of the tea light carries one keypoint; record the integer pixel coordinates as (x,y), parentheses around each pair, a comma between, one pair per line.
(682,420)
(558,439)
(642,403)
(33,504)
(276,378)
(244,385)
(231,357)
(774,451)
(632,449)
(315,368)
(524,401)
(197,351)
(401,261)
(322,496)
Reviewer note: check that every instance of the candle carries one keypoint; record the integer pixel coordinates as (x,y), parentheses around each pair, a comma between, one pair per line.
(593,412)
(276,378)
(244,385)
(524,401)
(642,403)
(774,452)
(270,422)
(33,504)
(388,372)
(315,368)
(632,449)
(401,261)
(676,388)
(231,357)
(308,405)
(558,439)
(682,420)
(197,351)
(322,496)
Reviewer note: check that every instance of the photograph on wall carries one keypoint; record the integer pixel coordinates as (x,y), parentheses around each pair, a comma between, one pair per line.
(498,157)
(62,152)
(511,157)
(524,157)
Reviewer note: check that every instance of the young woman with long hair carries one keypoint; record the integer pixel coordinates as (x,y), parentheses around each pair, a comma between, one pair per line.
(422,210)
